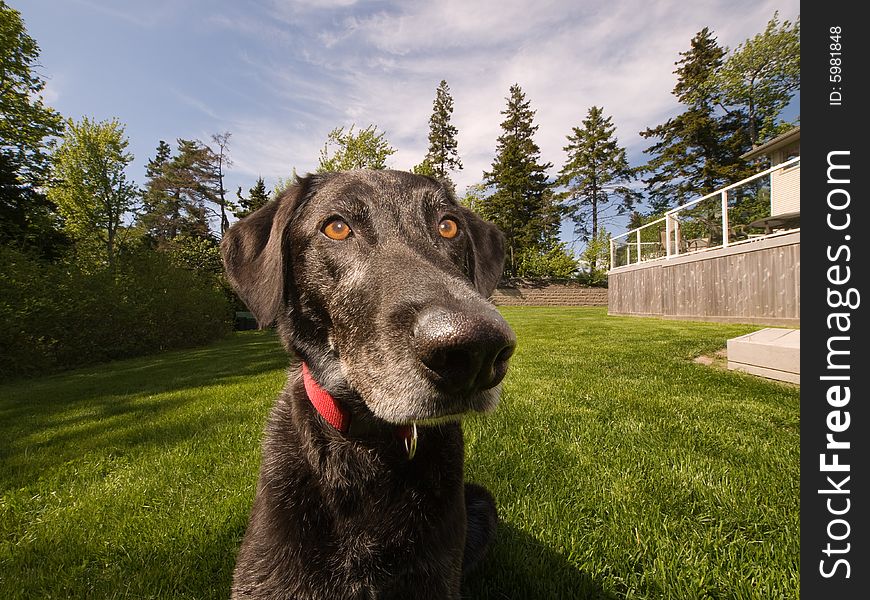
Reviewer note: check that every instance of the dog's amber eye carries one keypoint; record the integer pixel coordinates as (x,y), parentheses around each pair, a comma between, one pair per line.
(336,229)
(448,228)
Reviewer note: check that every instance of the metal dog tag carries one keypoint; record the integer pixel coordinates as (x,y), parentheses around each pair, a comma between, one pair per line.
(411,442)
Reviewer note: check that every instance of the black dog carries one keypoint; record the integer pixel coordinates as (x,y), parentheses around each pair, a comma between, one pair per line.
(377,281)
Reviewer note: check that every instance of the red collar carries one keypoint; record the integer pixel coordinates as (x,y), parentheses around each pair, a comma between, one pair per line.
(325,404)
(334,414)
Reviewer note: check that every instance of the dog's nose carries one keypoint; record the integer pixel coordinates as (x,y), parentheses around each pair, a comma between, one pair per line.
(464,352)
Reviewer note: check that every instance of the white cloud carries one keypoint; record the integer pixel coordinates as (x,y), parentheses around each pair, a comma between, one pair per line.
(280,75)
(382,66)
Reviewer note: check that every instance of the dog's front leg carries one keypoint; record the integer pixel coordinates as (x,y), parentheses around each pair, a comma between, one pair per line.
(482,521)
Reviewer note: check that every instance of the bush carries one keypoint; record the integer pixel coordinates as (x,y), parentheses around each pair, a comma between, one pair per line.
(555,263)
(55,316)
(590,278)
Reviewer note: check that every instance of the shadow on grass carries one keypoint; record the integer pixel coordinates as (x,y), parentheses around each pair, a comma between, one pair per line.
(520,566)
(131,403)
(200,566)
(94,416)
(236,356)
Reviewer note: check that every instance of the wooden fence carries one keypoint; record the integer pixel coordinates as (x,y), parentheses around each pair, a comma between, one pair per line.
(756,282)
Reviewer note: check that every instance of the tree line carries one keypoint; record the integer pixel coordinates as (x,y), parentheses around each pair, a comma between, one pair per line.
(94,267)
(70,217)
(731,101)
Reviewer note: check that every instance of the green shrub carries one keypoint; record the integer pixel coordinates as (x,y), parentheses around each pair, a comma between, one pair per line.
(555,263)
(55,316)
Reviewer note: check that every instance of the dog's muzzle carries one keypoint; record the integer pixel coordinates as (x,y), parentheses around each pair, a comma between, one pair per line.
(463,352)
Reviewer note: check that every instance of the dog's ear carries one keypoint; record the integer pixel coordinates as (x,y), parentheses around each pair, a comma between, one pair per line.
(487,263)
(254,254)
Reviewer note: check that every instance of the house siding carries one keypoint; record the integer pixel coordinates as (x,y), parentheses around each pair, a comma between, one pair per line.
(785,183)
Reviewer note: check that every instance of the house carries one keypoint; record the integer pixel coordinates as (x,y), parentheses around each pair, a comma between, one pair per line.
(785,183)
(743,272)
(738,275)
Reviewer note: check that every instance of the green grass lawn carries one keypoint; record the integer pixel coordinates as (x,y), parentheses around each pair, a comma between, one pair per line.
(621,468)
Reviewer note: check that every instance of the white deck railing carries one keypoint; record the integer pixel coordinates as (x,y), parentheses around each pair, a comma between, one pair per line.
(702,224)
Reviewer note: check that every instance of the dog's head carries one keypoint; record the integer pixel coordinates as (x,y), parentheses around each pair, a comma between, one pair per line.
(378,280)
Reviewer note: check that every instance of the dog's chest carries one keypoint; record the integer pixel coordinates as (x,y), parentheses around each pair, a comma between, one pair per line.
(392,528)
(377,539)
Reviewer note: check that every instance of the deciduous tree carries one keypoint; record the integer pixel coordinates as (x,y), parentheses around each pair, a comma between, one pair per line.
(89,185)
(27,131)
(475,196)
(760,78)
(597,255)
(424,168)
(346,150)
(217,160)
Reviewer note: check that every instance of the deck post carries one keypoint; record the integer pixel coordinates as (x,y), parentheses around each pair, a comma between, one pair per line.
(638,245)
(668,235)
(724,218)
(612,255)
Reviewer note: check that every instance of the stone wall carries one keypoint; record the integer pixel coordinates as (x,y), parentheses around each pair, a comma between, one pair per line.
(548,294)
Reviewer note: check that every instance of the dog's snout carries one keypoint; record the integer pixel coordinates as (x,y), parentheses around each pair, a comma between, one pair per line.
(463,352)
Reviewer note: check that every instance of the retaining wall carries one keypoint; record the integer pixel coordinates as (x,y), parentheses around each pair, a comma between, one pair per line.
(552,294)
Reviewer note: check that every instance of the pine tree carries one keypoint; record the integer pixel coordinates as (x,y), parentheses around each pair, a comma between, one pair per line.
(698,150)
(257,197)
(176,197)
(154,195)
(595,173)
(522,204)
(162,156)
(190,174)
(178,192)
(442,156)
(162,205)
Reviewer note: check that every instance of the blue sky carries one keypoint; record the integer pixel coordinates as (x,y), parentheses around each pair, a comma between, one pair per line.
(280,74)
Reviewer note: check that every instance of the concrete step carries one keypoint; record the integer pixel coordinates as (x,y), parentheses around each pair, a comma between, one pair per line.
(772,352)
